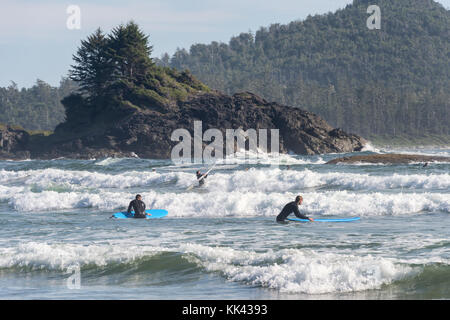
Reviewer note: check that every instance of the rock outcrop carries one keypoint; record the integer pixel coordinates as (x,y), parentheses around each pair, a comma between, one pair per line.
(146,133)
(13,143)
(390,159)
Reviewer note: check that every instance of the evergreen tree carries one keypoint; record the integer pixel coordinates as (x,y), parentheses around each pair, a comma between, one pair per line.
(94,67)
(130,51)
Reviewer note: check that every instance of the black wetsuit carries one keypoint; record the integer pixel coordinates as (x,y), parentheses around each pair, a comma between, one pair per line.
(201,182)
(138,207)
(291,207)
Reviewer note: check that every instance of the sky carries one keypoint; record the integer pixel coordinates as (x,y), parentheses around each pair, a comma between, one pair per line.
(39,37)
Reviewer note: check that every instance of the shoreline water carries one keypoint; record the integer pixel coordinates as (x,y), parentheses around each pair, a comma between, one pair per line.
(221,241)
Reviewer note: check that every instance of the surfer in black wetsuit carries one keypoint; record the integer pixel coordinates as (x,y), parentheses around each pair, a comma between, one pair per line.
(138,206)
(199,175)
(292,207)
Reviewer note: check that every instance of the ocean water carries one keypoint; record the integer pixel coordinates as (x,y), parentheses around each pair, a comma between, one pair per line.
(221,241)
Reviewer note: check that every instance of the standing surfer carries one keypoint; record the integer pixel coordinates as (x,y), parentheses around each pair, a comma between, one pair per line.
(292,207)
(139,207)
(200,178)
(201,181)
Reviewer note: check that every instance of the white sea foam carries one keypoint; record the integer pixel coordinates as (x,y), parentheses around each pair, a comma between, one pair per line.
(256,192)
(264,179)
(250,157)
(287,270)
(38,255)
(7,193)
(275,179)
(54,201)
(300,271)
(10,176)
(237,203)
(370,147)
(343,203)
(108,161)
(73,179)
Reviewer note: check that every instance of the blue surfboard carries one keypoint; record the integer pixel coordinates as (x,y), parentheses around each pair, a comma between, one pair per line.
(326,220)
(151,214)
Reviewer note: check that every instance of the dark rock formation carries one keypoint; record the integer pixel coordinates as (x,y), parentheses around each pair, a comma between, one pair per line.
(13,143)
(390,159)
(130,131)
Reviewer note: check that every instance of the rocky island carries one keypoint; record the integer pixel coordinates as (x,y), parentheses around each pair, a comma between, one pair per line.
(390,158)
(127,106)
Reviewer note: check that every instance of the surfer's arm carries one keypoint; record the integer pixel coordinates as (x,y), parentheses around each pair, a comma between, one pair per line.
(299,215)
(129,207)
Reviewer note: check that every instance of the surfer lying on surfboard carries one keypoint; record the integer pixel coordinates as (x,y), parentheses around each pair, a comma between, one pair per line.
(292,207)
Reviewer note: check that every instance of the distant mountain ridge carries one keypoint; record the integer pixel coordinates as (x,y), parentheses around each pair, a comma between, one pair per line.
(372,82)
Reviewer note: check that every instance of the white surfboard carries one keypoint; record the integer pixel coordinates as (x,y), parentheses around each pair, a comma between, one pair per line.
(200,179)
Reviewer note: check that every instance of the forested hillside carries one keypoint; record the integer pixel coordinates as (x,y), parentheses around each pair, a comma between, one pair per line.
(35,108)
(393,81)
(127,106)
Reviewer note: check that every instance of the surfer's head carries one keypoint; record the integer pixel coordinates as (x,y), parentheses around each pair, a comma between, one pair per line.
(298,199)
(138,197)
(198,172)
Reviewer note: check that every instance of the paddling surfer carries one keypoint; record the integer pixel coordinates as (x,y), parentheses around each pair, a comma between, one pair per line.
(292,207)
(138,206)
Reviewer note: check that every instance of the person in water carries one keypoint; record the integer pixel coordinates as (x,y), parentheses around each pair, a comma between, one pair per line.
(292,207)
(138,206)
(199,175)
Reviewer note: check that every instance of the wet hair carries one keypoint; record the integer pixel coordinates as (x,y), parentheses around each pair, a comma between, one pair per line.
(297,198)
(138,196)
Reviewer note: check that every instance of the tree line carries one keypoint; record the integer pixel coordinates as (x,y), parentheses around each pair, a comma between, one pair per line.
(37,108)
(371,82)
